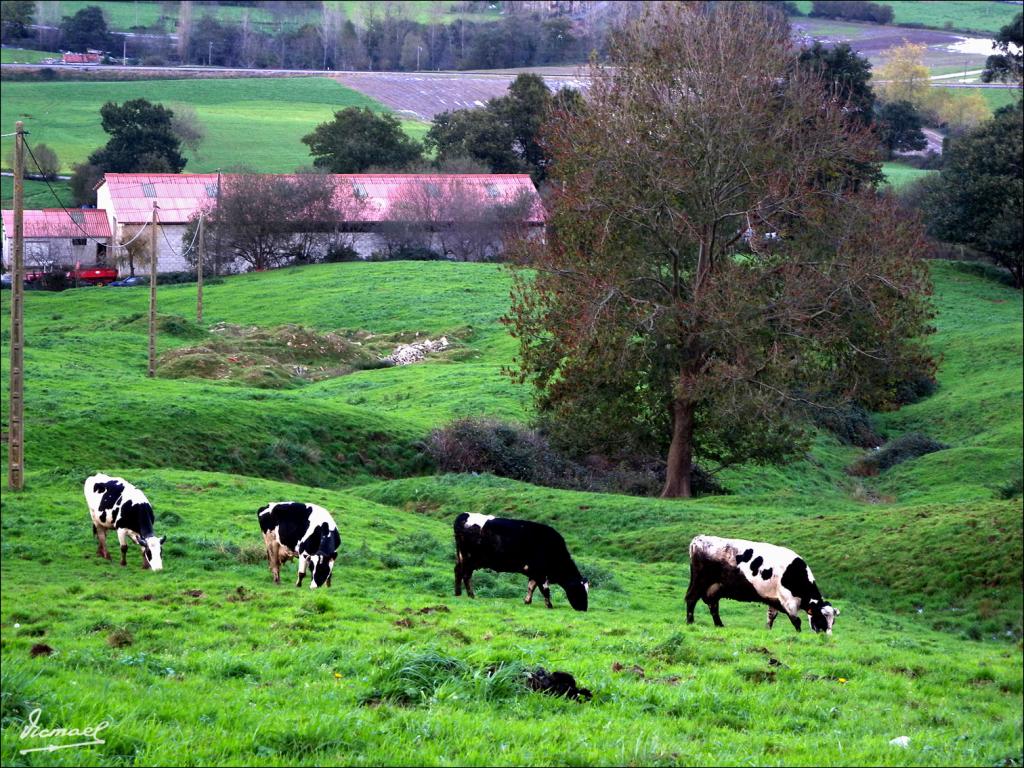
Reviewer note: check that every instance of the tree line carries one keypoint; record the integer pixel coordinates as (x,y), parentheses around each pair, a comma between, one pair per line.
(382,39)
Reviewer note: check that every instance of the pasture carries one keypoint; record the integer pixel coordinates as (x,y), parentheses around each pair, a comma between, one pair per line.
(209,662)
(899,175)
(979,16)
(25,56)
(37,194)
(258,122)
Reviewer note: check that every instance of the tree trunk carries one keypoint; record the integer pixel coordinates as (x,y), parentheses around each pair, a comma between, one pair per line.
(680,453)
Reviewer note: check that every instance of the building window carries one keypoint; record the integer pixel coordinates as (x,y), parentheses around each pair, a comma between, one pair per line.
(78,241)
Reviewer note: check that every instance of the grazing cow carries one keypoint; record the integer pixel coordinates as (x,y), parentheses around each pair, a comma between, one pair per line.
(116,503)
(752,571)
(517,546)
(306,531)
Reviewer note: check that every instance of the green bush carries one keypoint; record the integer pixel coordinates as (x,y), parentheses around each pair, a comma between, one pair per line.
(903,448)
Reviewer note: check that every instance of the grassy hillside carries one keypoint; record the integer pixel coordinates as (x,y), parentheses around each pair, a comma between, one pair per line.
(924,561)
(24,56)
(241,127)
(981,16)
(37,194)
(899,175)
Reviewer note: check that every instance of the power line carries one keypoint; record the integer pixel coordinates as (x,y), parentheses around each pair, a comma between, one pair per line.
(57,197)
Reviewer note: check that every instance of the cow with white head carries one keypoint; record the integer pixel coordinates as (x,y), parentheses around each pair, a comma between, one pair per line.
(114,503)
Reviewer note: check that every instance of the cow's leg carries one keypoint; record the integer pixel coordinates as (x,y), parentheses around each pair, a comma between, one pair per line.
(692,596)
(772,613)
(467,576)
(458,575)
(795,618)
(101,539)
(545,590)
(711,599)
(275,562)
(532,585)
(122,538)
(303,561)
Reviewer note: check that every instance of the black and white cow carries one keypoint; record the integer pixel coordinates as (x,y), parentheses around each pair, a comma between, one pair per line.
(306,531)
(116,503)
(752,571)
(517,546)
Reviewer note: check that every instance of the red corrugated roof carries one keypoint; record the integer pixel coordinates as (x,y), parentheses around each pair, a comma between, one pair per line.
(179,196)
(82,58)
(55,222)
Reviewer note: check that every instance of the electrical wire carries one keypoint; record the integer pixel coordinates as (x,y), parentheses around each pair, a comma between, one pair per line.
(57,197)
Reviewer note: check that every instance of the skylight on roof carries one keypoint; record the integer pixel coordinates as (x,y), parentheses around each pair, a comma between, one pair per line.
(360,191)
(77,216)
(492,190)
(211,190)
(149,190)
(434,190)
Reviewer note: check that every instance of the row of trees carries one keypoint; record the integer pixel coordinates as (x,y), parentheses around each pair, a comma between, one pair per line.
(265,221)
(503,136)
(382,37)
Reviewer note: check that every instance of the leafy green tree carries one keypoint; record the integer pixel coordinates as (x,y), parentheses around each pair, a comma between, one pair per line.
(848,73)
(17,15)
(358,138)
(505,134)
(698,282)
(142,139)
(899,128)
(1007,66)
(978,198)
(86,29)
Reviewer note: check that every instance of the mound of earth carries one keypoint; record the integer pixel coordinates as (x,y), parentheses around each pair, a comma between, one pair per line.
(291,355)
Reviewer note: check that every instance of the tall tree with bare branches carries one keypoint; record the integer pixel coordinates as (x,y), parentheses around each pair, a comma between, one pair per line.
(710,266)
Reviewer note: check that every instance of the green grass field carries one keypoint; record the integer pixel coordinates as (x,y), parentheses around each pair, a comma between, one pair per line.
(208,662)
(982,16)
(24,56)
(37,194)
(257,122)
(899,175)
(125,15)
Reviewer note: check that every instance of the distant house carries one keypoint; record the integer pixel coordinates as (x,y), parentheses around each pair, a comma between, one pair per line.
(55,237)
(370,205)
(89,57)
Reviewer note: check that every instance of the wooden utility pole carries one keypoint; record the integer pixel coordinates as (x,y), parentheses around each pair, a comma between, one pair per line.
(152,294)
(16,427)
(199,272)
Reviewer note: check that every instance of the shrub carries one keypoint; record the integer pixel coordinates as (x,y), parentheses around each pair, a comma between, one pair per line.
(341,253)
(851,424)
(903,448)
(521,453)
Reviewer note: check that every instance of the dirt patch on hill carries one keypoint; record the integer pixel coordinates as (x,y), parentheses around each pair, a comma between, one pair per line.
(291,355)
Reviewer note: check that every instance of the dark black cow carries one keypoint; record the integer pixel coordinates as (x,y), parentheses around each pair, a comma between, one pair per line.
(116,503)
(752,571)
(306,531)
(517,546)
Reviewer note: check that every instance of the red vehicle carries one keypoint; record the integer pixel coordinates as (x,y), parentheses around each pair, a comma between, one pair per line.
(91,275)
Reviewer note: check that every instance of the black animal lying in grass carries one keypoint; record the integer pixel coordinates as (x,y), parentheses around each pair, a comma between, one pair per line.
(517,546)
(557,684)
